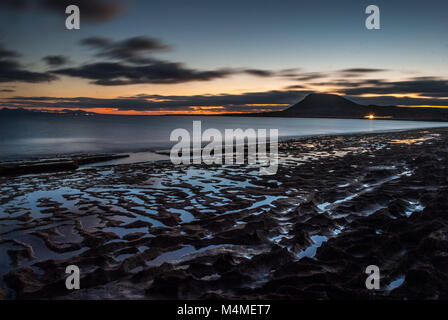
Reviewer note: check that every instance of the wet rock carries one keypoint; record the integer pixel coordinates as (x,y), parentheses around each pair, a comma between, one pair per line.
(434,242)
(398,207)
(23,281)
(366,180)
(167,285)
(3,294)
(419,282)
(224,263)
(200,270)
(18,255)
(28,168)
(133,236)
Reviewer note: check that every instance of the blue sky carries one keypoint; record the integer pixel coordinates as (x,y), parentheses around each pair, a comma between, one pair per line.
(313,36)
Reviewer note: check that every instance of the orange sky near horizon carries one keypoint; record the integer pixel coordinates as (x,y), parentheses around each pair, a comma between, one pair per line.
(69,87)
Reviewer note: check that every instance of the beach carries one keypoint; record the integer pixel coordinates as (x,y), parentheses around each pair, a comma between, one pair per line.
(337,204)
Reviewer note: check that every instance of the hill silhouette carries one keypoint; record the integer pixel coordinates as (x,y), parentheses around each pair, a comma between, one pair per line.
(318,105)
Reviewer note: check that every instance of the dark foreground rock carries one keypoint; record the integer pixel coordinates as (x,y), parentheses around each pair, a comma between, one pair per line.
(154,231)
(52,165)
(2,294)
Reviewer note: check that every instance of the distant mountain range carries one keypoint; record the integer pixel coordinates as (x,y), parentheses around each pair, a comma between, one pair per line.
(315,105)
(318,105)
(21,111)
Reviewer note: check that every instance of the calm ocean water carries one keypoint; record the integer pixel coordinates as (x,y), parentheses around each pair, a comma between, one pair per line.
(47,135)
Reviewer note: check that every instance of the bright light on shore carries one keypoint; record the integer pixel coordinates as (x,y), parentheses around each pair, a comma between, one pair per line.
(371,117)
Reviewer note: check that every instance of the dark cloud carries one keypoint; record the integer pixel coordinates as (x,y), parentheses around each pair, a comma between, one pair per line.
(4,53)
(131,50)
(91,10)
(296,86)
(349,72)
(55,61)
(133,66)
(346,83)
(425,86)
(129,62)
(398,101)
(13,71)
(260,73)
(289,73)
(248,102)
(14,4)
(286,73)
(361,70)
(273,97)
(335,83)
(311,76)
(6,90)
(114,73)
(358,72)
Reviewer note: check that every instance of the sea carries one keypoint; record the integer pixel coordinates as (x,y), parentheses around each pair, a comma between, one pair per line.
(35,136)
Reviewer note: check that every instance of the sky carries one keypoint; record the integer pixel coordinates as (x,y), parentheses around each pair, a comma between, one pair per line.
(177,56)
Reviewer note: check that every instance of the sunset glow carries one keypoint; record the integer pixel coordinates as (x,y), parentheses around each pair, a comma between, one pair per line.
(100,70)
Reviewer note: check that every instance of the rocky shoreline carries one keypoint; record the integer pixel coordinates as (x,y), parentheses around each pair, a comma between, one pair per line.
(53,165)
(156,231)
